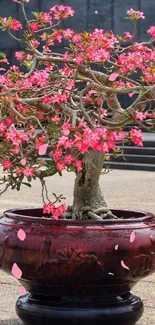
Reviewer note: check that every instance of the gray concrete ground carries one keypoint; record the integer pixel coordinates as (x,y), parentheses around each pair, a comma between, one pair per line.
(125,189)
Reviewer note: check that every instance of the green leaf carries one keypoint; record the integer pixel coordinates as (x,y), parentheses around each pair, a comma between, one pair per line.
(2,55)
(28,65)
(142,92)
(37,15)
(115,155)
(10,19)
(26,184)
(23,40)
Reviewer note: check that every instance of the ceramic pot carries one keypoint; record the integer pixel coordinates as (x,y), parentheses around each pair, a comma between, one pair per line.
(78,271)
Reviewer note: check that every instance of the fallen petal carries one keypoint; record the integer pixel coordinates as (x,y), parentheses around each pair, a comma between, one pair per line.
(132,237)
(21,234)
(43,149)
(22,291)
(23,161)
(124,266)
(16,271)
(113,76)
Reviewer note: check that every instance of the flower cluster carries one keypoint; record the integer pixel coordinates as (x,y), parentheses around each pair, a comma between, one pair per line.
(16,137)
(135,15)
(62,12)
(58,98)
(136,136)
(10,23)
(56,212)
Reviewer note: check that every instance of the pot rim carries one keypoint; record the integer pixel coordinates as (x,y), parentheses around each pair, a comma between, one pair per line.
(17,214)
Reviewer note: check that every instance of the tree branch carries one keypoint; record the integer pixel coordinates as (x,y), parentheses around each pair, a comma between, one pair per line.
(83,109)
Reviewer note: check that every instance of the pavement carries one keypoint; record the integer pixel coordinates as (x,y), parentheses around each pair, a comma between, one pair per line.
(122,189)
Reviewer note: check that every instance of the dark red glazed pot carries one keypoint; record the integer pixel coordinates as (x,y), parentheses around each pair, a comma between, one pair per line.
(78,261)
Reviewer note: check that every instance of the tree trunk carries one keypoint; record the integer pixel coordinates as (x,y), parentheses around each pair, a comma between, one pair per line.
(87,192)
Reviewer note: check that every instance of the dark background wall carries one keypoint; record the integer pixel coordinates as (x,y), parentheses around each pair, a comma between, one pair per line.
(110,15)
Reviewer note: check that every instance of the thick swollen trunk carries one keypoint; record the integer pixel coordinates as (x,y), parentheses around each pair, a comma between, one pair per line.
(87,192)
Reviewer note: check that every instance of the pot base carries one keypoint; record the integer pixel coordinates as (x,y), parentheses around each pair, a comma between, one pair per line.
(121,310)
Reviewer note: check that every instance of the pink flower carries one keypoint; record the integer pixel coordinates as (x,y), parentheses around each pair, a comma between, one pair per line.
(80,58)
(57,154)
(130,11)
(66,132)
(64,97)
(48,208)
(56,212)
(135,15)
(46,17)
(58,35)
(14,68)
(9,121)
(128,35)
(18,170)
(16,150)
(46,100)
(62,140)
(3,127)
(55,119)
(35,43)
(7,164)
(40,78)
(68,33)
(39,141)
(151,31)
(28,171)
(62,208)
(34,26)
(78,165)
(70,84)
(10,23)
(69,159)
(15,24)
(68,143)
(19,55)
(140,14)
(103,147)
(2,79)
(136,136)
(141,116)
(60,166)
(131,61)
(103,112)
(120,136)
(29,57)
(61,11)
(22,108)
(66,56)
(66,126)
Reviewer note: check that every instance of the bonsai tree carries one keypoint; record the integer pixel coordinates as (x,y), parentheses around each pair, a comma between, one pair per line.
(62,111)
